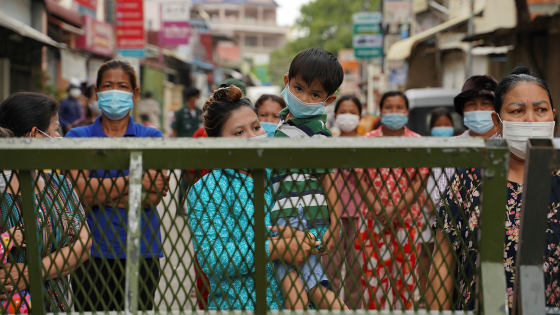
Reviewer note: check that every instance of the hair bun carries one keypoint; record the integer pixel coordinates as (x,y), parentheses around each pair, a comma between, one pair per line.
(231,93)
(521,69)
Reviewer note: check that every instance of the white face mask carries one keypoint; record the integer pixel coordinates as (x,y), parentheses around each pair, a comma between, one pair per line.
(347,122)
(517,134)
(75,92)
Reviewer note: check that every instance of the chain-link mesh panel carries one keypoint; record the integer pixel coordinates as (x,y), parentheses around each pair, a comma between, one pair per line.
(372,238)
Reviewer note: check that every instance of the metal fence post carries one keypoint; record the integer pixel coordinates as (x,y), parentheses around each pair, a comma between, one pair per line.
(492,284)
(259,182)
(529,280)
(133,233)
(31,233)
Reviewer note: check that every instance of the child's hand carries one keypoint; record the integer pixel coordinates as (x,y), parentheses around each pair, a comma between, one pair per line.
(289,232)
(17,236)
(387,216)
(329,241)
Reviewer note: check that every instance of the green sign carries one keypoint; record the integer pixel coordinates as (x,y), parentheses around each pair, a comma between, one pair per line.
(368,34)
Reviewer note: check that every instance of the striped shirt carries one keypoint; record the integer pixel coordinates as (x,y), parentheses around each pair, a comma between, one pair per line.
(301,187)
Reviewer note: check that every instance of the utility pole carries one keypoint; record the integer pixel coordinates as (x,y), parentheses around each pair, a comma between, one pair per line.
(470,33)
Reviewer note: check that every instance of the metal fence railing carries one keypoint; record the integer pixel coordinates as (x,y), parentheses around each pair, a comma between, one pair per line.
(191,225)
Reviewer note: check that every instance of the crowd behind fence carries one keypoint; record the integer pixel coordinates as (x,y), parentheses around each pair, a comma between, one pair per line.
(133,248)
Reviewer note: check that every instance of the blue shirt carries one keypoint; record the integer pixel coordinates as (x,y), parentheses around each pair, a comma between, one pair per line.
(107,226)
(221,220)
(69,112)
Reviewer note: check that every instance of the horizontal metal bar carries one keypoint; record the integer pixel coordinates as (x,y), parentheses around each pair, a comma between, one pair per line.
(92,153)
(310,312)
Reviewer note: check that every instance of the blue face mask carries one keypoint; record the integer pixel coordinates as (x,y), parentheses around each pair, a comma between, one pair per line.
(394,121)
(301,109)
(270,128)
(442,131)
(479,121)
(115,104)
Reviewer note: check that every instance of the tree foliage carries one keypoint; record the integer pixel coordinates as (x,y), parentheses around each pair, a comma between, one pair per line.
(326,24)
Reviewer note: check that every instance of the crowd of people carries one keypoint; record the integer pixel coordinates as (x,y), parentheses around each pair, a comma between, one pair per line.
(378,238)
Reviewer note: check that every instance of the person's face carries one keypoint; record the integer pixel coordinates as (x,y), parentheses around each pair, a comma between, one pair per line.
(268,111)
(117,79)
(443,121)
(479,103)
(243,123)
(52,130)
(347,107)
(192,101)
(394,105)
(314,93)
(526,102)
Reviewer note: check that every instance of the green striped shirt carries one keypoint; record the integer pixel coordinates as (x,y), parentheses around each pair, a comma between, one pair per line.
(295,187)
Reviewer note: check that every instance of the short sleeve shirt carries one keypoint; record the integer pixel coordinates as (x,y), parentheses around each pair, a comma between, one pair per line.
(186,123)
(300,187)
(107,226)
(391,183)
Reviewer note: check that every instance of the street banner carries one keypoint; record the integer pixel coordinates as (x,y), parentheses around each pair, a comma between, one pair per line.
(398,11)
(175,28)
(368,34)
(131,41)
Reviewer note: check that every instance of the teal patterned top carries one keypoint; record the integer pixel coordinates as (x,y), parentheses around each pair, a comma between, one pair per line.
(221,219)
(60,217)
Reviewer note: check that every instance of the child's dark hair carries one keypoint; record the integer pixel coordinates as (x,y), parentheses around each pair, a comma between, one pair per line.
(22,111)
(266,97)
(437,113)
(391,94)
(521,73)
(352,98)
(315,64)
(220,105)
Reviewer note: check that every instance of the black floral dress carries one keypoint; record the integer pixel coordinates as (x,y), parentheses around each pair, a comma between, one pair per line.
(458,216)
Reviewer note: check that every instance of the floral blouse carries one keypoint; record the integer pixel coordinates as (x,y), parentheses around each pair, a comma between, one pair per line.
(458,217)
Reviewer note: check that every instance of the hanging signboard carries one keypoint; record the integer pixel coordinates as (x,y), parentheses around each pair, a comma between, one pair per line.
(129,18)
(368,34)
(175,28)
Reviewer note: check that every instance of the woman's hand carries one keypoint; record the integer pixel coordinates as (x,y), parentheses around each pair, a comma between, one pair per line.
(290,232)
(297,251)
(13,276)
(154,181)
(16,234)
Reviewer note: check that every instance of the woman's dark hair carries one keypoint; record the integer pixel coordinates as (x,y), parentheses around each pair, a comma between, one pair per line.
(352,98)
(391,94)
(437,113)
(521,73)
(315,64)
(22,111)
(219,107)
(266,97)
(118,64)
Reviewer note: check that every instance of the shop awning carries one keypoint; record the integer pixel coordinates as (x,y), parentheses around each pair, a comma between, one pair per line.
(402,49)
(25,30)
(69,16)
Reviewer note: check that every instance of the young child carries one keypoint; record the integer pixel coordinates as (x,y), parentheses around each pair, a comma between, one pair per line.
(313,78)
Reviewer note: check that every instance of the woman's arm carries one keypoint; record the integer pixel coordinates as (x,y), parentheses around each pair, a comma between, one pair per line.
(439,291)
(95,191)
(414,192)
(334,206)
(68,258)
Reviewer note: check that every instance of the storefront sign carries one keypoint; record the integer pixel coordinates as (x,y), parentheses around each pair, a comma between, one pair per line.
(87,7)
(131,40)
(175,28)
(368,35)
(398,11)
(99,37)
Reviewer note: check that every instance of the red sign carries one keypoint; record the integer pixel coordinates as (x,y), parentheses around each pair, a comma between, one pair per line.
(99,37)
(130,24)
(90,4)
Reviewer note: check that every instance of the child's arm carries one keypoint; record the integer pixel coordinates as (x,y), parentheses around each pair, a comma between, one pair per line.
(334,205)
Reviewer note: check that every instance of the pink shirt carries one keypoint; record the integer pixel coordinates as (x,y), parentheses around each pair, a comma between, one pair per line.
(349,194)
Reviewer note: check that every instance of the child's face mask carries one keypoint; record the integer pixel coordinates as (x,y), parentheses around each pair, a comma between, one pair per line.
(299,108)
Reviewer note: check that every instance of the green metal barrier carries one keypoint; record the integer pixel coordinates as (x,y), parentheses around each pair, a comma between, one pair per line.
(75,158)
